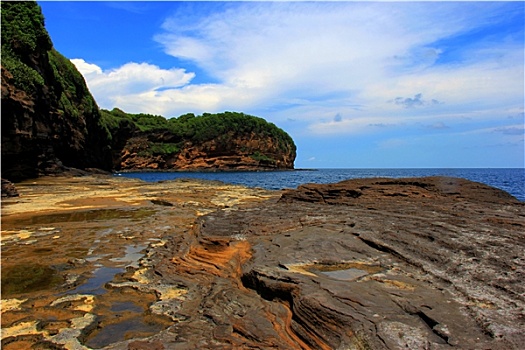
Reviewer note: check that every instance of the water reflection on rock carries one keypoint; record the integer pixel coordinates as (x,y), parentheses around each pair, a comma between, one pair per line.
(73,249)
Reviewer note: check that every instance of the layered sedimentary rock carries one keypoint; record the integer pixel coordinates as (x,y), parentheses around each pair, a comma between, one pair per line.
(367,264)
(379,263)
(235,154)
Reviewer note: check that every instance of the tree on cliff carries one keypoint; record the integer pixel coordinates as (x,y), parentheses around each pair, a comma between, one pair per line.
(23,32)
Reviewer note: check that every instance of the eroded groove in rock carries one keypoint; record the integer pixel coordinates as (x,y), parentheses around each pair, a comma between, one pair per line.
(435,267)
(303,330)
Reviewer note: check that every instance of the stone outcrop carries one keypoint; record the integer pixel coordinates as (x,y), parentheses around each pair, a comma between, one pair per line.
(8,189)
(363,264)
(213,155)
(375,190)
(376,263)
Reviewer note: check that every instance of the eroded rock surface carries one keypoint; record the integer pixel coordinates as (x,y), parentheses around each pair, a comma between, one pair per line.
(77,255)
(430,263)
(236,153)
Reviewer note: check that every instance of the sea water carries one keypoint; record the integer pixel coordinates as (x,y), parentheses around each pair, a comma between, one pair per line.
(509,180)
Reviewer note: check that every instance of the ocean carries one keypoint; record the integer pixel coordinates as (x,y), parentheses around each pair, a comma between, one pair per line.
(510,180)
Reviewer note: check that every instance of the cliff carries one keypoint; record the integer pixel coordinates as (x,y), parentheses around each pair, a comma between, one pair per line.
(50,121)
(222,141)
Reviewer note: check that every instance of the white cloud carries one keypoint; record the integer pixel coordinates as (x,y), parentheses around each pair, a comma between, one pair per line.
(87,69)
(132,85)
(311,61)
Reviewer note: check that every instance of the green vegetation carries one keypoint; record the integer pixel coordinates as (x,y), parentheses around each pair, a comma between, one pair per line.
(23,32)
(161,148)
(26,41)
(25,278)
(75,99)
(261,158)
(115,122)
(213,126)
(198,129)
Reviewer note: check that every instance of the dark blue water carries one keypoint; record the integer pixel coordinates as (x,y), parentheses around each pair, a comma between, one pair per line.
(510,180)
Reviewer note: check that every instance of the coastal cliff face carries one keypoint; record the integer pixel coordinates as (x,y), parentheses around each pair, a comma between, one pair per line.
(247,152)
(50,121)
(210,142)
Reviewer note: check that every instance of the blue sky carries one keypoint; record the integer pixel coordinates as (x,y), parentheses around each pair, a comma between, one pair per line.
(356,84)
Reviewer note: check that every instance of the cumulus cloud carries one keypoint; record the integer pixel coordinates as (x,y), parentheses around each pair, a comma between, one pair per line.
(130,82)
(86,69)
(314,62)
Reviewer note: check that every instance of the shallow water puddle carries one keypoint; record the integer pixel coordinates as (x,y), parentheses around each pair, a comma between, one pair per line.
(132,256)
(345,275)
(95,284)
(103,274)
(345,271)
(121,312)
(87,215)
(120,306)
(123,330)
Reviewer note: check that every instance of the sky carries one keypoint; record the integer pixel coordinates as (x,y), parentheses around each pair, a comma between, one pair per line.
(356,84)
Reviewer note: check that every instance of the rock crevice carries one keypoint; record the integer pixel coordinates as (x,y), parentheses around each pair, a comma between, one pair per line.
(429,269)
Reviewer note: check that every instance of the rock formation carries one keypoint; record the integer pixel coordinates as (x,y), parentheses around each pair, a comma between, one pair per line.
(211,142)
(427,263)
(367,264)
(49,119)
(236,154)
(8,189)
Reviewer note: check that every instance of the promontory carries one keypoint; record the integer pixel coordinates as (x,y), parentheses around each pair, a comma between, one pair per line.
(51,122)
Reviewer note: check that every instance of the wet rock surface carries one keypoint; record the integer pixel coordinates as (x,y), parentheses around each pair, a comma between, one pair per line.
(377,263)
(77,257)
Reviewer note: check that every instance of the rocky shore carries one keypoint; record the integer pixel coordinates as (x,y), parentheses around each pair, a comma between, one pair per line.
(113,263)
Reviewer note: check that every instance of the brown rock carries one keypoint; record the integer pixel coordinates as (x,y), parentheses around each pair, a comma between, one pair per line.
(428,267)
(144,345)
(436,187)
(8,189)
(214,155)
(408,263)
